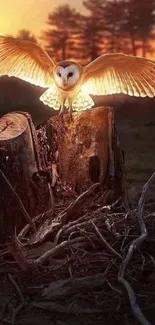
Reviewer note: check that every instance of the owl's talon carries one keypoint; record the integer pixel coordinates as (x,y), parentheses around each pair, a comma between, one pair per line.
(61,110)
(70,111)
(70,117)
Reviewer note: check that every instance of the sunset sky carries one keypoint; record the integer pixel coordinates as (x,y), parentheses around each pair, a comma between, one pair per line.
(29,14)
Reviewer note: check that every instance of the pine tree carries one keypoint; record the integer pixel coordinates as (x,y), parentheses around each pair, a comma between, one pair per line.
(62,36)
(139,24)
(25,34)
(117,41)
(93,29)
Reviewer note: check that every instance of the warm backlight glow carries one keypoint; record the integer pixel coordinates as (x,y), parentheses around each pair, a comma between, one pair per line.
(29,14)
(82,102)
(52,98)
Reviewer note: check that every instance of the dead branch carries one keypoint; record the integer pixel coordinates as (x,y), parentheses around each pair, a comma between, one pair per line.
(25,213)
(66,215)
(15,311)
(45,230)
(112,288)
(109,208)
(133,246)
(67,309)
(16,250)
(25,230)
(74,208)
(103,240)
(78,226)
(67,226)
(20,295)
(57,250)
(141,202)
(70,286)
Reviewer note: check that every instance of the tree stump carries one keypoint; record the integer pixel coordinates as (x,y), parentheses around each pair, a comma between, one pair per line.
(86,149)
(19,162)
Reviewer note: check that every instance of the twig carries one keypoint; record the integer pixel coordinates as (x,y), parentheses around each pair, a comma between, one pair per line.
(57,250)
(106,208)
(67,287)
(51,196)
(16,251)
(66,309)
(141,202)
(113,288)
(25,213)
(134,244)
(17,288)
(133,302)
(75,207)
(24,231)
(67,226)
(51,252)
(112,250)
(79,225)
(15,311)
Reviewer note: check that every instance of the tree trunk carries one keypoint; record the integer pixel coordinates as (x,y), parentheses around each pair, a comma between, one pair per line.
(144,47)
(86,150)
(133,45)
(20,164)
(83,151)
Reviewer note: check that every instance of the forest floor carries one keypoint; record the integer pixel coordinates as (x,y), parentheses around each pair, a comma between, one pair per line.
(81,285)
(82,270)
(101,298)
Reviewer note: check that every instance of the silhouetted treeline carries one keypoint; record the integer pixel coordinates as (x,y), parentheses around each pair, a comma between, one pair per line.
(108,25)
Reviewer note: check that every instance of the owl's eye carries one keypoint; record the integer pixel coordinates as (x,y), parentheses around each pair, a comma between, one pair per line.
(59,74)
(70,74)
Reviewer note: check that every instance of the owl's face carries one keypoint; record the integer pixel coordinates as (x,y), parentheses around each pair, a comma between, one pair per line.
(66,75)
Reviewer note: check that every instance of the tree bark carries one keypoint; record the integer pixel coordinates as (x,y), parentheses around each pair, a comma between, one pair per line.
(20,163)
(81,151)
(88,149)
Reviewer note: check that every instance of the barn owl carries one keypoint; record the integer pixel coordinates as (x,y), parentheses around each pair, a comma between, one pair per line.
(71,85)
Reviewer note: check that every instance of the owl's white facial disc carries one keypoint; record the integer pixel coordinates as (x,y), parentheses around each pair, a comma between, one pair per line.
(66,77)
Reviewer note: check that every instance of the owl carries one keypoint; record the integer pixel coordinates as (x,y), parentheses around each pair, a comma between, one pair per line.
(70,85)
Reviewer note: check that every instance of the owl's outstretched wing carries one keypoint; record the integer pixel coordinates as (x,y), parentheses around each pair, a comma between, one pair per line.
(120,73)
(25,60)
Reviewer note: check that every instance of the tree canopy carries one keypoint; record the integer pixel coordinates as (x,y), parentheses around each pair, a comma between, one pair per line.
(107,26)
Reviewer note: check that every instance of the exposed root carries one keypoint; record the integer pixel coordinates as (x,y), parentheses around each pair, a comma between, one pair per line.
(13,311)
(133,246)
(80,258)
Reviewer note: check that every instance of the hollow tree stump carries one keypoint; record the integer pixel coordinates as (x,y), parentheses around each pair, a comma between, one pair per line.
(19,162)
(87,149)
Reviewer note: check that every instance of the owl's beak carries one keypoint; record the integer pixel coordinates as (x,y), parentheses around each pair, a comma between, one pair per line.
(65,84)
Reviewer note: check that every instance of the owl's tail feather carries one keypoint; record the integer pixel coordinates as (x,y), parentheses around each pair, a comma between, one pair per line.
(51,97)
(82,102)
